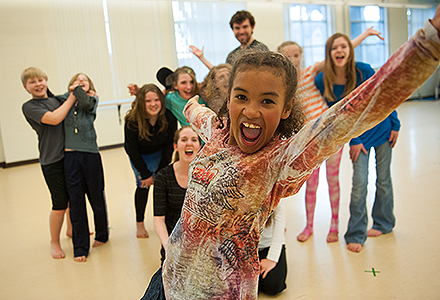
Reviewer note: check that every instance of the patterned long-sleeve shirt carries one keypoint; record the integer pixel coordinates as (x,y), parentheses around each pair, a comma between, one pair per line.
(212,251)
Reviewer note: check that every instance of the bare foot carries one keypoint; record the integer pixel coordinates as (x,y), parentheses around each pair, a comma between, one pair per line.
(56,251)
(354,247)
(69,233)
(332,237)
(304,236)
(80,258)
(141,233)
(97,243)
(373,232)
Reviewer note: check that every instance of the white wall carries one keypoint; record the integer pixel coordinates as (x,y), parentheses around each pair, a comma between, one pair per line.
(32,33)
(270,30)
(64,37)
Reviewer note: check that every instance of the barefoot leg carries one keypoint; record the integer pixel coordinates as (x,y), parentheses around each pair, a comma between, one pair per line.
(374,233)
(56,218)
(141,231)
(332,168)
(97,243)
(80,258)
(310,199)
(354,247)
(68,223)
(304,236)
(332,237)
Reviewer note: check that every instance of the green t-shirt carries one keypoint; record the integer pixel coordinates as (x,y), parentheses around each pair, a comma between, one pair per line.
(175,104)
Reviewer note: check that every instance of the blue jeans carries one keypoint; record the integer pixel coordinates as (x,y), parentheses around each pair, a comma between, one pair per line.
(152,161)
(382,213)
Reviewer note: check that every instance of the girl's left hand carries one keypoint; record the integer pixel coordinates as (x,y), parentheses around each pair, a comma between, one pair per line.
(196,51)
(265,266)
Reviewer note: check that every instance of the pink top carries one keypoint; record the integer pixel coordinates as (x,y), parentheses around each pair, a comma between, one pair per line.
(212,251)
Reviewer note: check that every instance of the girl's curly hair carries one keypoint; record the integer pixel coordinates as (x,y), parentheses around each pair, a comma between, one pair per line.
(282,67)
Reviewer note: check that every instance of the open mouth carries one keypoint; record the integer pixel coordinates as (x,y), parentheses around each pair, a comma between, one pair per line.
(250,132)
(186,95)
(340,58)
(189,152)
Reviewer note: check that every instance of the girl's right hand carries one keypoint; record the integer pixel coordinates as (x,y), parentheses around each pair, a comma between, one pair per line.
(355,150)
(146,183)
(133,89)
(73,86)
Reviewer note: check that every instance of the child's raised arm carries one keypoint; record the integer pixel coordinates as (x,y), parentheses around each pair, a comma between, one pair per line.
(85,102)
(199,53)
(133,89)
(202,119)
(361,37)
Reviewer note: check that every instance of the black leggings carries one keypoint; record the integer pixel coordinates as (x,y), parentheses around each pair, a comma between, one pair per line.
(275,281)
(140,203)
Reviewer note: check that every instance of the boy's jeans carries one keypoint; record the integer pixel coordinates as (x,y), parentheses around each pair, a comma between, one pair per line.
(383,217)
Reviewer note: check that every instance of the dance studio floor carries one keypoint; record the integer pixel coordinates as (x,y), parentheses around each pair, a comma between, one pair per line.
(406,262)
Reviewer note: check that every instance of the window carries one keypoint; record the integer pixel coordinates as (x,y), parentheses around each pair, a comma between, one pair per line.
(416,18)
(308,25)
(204,24)
(373,51)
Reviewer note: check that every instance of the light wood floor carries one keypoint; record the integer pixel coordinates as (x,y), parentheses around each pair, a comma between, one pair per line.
(408,259)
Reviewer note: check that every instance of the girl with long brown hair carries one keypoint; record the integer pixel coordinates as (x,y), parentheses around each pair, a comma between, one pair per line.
(149,131)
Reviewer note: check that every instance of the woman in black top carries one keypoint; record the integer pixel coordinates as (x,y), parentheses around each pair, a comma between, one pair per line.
(170,185)
(149,131)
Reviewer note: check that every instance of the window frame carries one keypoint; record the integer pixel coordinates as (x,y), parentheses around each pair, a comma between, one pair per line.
(361,51)
(311,53)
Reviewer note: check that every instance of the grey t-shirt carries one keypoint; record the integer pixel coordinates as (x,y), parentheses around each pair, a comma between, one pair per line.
(254,46)
(50,137)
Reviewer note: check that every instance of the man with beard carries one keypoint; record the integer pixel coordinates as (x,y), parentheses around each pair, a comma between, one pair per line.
(242,24)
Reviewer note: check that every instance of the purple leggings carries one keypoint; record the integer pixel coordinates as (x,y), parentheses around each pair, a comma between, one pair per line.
(332,167)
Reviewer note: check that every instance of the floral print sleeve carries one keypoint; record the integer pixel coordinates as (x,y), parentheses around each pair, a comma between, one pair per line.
(202,119)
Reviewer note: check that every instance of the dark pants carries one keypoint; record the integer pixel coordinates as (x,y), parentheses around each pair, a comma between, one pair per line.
(275,281)
(140,202)
(55,180)
(155,289)
(84,176)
